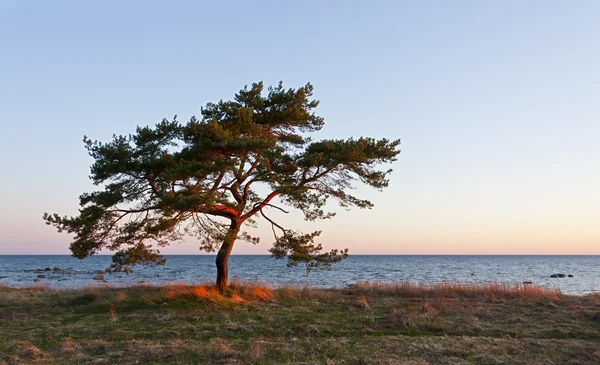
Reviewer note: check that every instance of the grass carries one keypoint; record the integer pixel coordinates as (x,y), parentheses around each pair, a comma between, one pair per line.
(366,323)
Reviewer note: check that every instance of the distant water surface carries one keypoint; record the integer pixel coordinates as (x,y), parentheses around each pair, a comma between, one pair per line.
(77,273)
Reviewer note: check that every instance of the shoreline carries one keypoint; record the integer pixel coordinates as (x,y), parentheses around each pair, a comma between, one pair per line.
(74,273)
(413,285)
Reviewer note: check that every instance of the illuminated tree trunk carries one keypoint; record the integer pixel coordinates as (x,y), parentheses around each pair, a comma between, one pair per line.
(223,255)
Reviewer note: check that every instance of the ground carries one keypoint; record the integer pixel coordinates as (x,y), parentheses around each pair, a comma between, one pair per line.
(367,323)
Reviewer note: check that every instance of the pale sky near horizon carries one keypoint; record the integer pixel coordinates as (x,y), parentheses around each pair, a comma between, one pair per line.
(496,104)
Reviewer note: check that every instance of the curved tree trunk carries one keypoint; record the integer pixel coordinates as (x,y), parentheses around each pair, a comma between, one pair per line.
(223,255)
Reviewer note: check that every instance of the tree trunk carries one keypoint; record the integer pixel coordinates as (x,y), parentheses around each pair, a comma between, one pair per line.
(223,255)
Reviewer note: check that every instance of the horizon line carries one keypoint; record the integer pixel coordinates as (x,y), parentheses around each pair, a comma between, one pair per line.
(365,254)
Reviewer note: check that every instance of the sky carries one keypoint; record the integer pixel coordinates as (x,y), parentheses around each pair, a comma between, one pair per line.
(496,104)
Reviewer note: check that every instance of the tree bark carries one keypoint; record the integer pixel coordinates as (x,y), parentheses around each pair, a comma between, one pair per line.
(223,255)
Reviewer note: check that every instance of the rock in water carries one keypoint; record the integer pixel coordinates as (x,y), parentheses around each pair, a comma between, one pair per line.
(554,275)
(56,269)
(527,282)
(570,276)
(98,277)
(41,276)
(47,269)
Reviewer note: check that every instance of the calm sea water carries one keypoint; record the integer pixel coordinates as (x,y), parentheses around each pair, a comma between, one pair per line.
(76,273)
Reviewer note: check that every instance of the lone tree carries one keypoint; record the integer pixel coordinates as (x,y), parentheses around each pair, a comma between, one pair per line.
(205,179)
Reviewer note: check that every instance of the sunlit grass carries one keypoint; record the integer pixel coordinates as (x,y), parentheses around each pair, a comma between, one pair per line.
(237,293)
(452,290)
(250,323)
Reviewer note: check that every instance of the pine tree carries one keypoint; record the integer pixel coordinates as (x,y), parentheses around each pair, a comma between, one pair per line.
(200,178)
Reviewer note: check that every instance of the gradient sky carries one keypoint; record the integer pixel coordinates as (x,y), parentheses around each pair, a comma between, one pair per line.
(497,104)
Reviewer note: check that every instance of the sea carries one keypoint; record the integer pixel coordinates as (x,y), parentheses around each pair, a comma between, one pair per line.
(16,271)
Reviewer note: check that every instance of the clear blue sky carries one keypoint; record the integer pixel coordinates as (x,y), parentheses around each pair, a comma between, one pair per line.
(497,104)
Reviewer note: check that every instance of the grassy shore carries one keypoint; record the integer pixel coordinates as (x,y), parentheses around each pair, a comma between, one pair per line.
(368,323)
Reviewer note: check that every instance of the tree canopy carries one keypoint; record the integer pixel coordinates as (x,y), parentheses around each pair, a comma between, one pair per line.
(204,178)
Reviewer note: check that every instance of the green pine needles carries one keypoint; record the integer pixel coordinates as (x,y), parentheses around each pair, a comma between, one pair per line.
(200,178)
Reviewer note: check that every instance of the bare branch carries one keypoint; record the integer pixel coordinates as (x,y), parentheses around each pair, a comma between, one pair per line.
(247,188)
(273,224)
(275,206)
(131,210)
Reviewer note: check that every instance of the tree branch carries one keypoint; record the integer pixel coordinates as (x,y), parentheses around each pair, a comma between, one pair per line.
(222,211)
(318,174)
(243,178)
(247,188)
(273,224)
(153,186)
(259,206)
(218,181)
(253,167)
(236,194)
(131,210)
(111,226)
(275,206)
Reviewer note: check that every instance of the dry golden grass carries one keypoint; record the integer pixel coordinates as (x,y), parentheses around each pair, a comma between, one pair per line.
(112,312)
(27,349)
(237,293)
(452,290)
(68,345)
(256,348)
(363,302)
(220,347)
